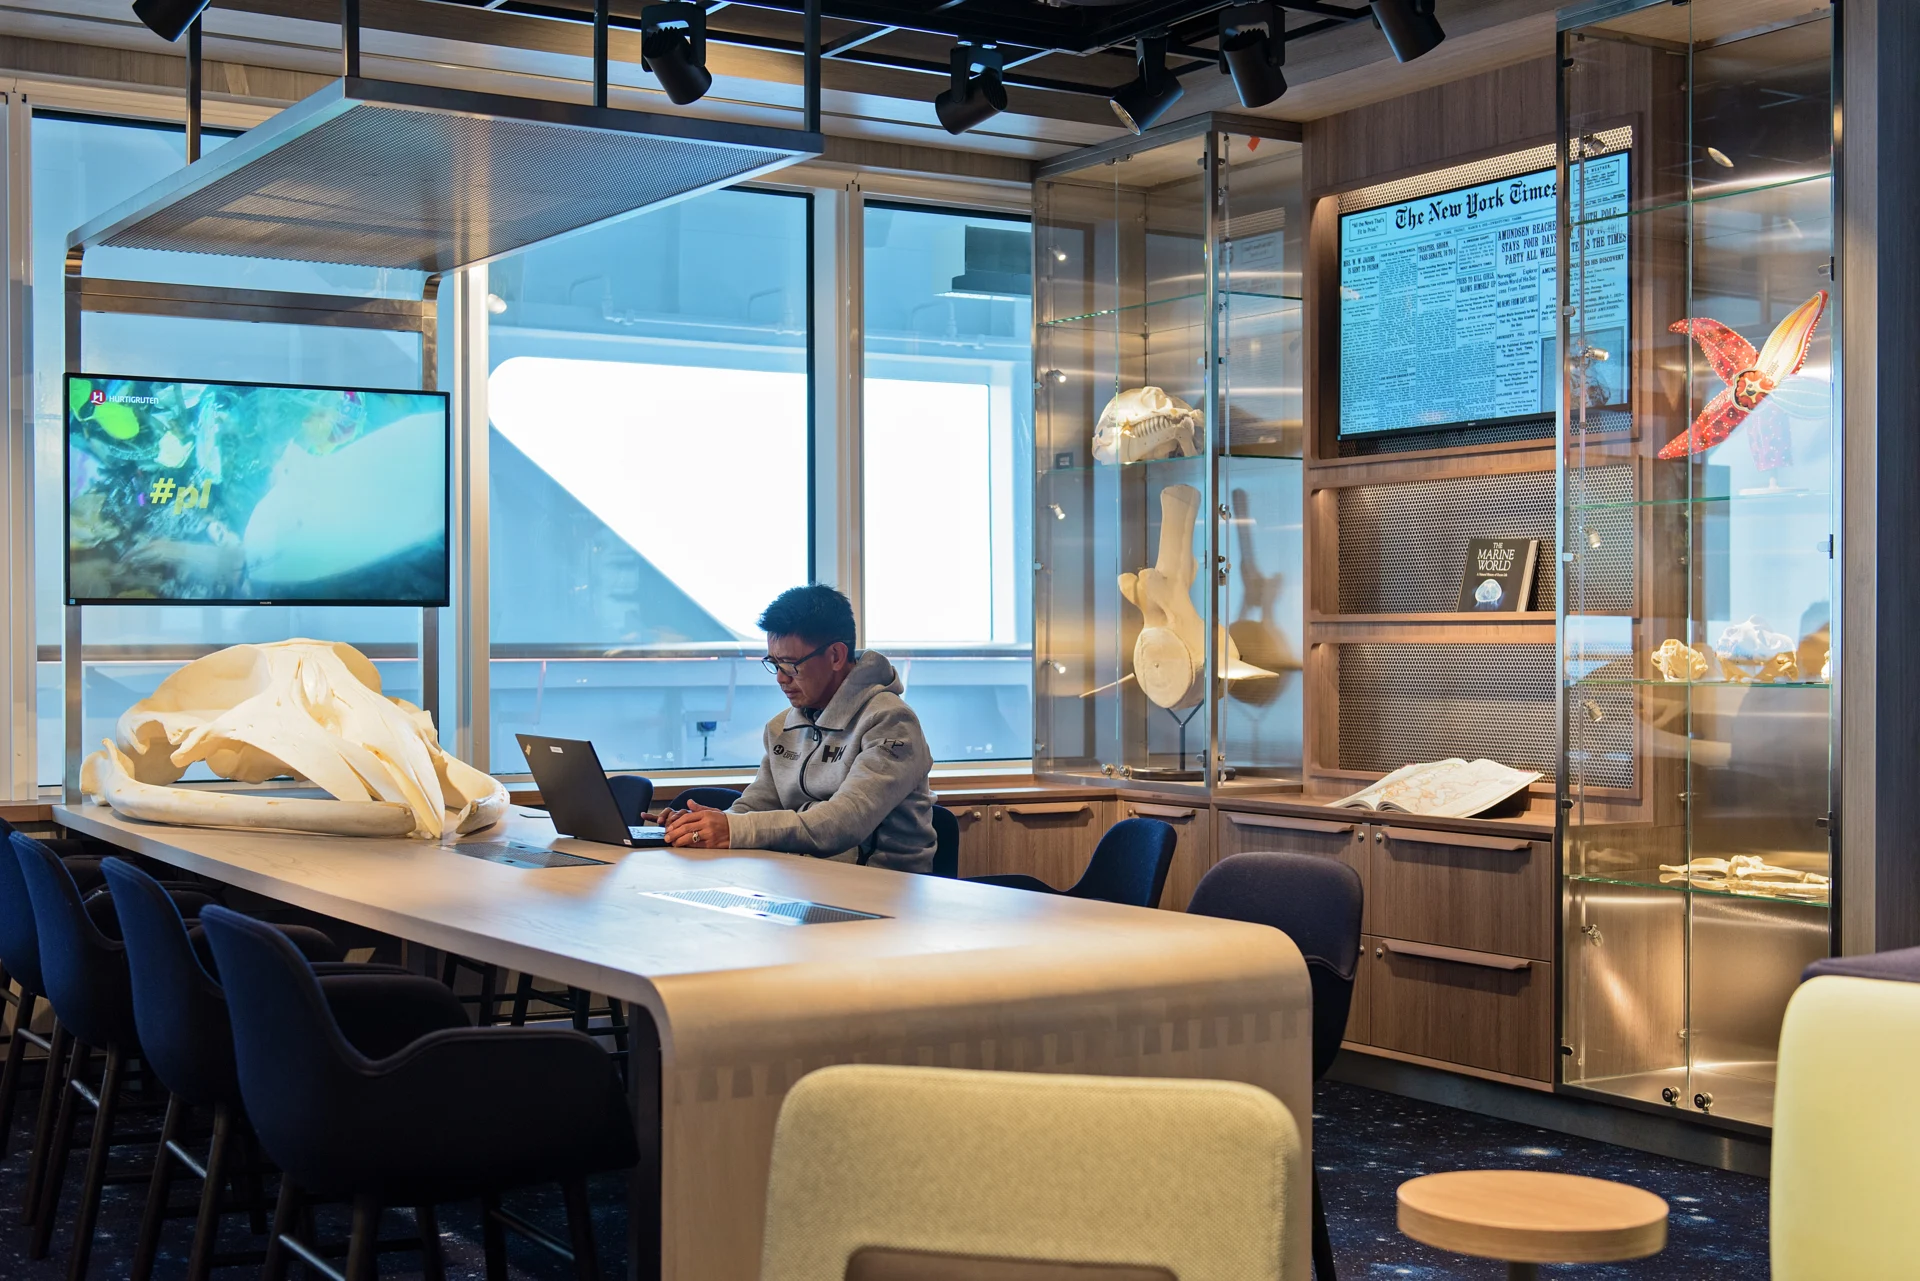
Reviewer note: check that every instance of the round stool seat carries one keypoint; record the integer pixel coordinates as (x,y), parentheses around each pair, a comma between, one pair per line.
(1529,1216)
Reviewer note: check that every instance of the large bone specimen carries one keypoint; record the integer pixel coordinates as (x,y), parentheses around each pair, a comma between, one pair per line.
(1169,655)
(302,709)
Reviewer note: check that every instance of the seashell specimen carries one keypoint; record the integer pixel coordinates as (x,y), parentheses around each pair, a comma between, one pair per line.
(1679,662)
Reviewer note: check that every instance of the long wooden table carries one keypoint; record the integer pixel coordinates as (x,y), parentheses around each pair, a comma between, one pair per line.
(956,975)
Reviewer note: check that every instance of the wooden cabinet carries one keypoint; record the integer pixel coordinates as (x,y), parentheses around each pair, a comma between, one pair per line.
(1245,833)
(1049,839)
(1192,855)
(1480,1009)
(1483,893)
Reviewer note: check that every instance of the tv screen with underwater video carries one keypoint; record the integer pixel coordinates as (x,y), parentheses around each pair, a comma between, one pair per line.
(208,493)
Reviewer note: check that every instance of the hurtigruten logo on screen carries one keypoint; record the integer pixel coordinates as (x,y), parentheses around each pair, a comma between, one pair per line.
(100,398)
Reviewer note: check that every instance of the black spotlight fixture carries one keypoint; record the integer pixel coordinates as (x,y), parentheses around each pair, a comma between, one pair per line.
(1409,26)
(673,46)
(970,100)
(1253,46)
(1146,98)
(168,19)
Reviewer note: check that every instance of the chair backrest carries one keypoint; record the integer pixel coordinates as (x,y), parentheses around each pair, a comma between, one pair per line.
(1846,1131)
(1314,901)
(946,848)
(1204,1179)
(178,1007)
(19,938)
(633,793)
(85,970)
(298,1074)
(1130,863)
(714,798)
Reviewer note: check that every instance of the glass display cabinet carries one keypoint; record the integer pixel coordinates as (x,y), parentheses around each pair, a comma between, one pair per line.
(1168,417)
(1698,423)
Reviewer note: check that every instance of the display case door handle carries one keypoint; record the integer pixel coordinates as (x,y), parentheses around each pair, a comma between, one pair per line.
(1162,811)
(1433,952)
(1417,837)
(1055,808)
(1285,824)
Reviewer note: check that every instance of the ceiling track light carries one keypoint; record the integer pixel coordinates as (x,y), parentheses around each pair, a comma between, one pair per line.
(1147,97)
(673,46)
(971,100)
(1409,26)
(168,19)
(1253,47)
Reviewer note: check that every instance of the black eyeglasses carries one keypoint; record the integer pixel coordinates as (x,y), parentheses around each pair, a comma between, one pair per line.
(791,666)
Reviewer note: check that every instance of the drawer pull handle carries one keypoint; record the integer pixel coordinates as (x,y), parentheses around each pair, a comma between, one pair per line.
(1432,952)
(1275,822)
(1416,837)
(1058,807)
(1161,811)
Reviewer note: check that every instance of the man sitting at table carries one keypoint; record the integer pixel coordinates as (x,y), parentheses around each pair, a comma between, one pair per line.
(844,774)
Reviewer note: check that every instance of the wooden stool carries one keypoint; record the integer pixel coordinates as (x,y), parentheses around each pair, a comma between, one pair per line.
(1528,1217)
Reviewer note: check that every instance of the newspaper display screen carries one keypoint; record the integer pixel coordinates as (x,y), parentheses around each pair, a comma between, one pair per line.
(1448,303)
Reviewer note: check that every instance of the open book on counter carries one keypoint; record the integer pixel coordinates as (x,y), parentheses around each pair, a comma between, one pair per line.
(1452,788)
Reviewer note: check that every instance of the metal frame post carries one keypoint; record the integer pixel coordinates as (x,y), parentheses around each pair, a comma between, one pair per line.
(350,38)
(838,353)
(195,85)
(472,646)
(19,750)
(599,53)
(810,67)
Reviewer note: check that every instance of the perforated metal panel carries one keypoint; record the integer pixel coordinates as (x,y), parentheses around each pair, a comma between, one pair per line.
(1403,547)
(1600,718)
(407,176)
(737,901)
(1599,577)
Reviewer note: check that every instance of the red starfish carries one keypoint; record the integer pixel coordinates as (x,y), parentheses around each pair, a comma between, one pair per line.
(1751,378)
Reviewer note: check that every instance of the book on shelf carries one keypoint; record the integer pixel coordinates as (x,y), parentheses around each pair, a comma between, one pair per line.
(1453,788)
(1499,575)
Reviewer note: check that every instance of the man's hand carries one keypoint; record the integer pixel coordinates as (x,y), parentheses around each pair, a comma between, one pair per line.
(699,826)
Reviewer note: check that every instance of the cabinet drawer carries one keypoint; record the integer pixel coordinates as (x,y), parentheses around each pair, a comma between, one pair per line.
(1238,833)
(1193,852)
(1487,894)
(1459,1006)
(1049,839)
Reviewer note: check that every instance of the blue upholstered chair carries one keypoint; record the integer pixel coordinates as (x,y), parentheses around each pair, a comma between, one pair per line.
(634,794)
(1316,902)
(946,849)
(714,798)
(418,1127)
(186,1039)
(1129,866)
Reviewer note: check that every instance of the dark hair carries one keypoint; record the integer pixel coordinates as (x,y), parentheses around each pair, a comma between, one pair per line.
(815,613)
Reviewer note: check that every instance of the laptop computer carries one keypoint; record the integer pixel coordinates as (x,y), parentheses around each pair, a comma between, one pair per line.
(567,772)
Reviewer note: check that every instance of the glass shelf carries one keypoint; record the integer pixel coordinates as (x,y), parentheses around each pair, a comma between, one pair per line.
(1649,879)
(1706,199)
(1137,307)
(1605,682)
(1729,500)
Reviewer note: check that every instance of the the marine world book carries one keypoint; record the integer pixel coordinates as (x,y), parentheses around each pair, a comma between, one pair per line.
(1499,575)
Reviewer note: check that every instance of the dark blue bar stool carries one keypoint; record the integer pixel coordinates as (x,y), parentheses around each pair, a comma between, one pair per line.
(1129,866)
(714,798)
(1316,902)
(421,1126)
(946,843)
(186,1038)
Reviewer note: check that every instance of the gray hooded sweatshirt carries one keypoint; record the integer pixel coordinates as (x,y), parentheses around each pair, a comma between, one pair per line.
(848,783)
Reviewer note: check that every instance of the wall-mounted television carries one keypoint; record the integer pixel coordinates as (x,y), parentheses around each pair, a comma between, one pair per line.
(224,493)
(1448,304)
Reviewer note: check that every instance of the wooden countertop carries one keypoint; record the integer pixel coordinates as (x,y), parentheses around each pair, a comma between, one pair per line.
(957,974)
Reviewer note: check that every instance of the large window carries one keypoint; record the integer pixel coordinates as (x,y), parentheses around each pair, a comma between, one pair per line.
(946,459)
(650,487)
(83,167)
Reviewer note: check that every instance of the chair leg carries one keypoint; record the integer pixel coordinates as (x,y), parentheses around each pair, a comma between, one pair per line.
(586,1262)
(206,1228)
(154,1217)
(59,1046)
(1322,1243)
(16,1059)
(274,1267)
(433,1260)
(489,995)
(95,1180)
(522,993)
(60,1145)
(493,1237)
(363,1247)
(581,1002)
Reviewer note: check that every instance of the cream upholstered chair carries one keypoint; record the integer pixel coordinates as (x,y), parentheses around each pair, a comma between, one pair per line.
(1846,1132)
(931,1174)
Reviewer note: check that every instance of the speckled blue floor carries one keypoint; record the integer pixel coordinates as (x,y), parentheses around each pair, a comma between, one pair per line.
(1366,1144)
